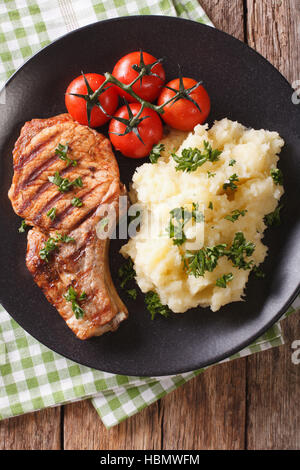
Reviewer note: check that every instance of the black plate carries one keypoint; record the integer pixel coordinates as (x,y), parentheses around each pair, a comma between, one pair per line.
(244,87)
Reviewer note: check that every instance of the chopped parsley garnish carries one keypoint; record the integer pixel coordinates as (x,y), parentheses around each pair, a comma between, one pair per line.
(210,174)
(52,244)
(273,219)
(62,151)
(197,215)
(156,152)
(154,305)
(64,238)
(78,182)
(52,213)
(49,247)
(78,311)
(64,184)
(230,183)
(179,218)
(223,281)
(176,232)
(132,293)
(23,227)
(210,205)
(232,162)
(206,259)
(193,158)
(82,296)
(126,273)
(76,202)
(71,296)
(277,176)
(234,215)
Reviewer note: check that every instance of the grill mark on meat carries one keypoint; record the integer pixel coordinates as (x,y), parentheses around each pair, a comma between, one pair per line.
(65,212)
(47,207)
(77,254)
(41,190)
(85,273)
(53,274)
(105,310)
(36,173)
(83,264)
(48,269)
(33,153)
(79,251)
(88,214)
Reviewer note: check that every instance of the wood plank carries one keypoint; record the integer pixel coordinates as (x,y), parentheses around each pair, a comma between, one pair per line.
(273,418)
(35,431)
(208,412)
(227,15)
(83,429)
(273,29)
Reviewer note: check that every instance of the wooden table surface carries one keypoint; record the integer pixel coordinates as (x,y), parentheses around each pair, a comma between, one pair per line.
(250,403)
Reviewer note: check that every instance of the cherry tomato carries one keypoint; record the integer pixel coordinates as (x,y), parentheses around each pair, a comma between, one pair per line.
(183,114)
(151,85)
(77,107)
(150,131)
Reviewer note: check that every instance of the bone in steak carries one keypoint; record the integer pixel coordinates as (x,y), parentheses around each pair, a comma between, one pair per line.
(82,264)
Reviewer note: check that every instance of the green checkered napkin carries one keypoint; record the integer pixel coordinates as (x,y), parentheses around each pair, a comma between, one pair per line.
(32,376)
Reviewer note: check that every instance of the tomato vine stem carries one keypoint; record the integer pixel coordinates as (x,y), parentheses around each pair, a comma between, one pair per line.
(181,93)
(109,78)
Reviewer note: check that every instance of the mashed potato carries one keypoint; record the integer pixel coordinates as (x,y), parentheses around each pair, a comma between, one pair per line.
(159,188)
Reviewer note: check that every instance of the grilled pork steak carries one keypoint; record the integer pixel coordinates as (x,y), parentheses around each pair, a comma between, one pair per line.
(83,263)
